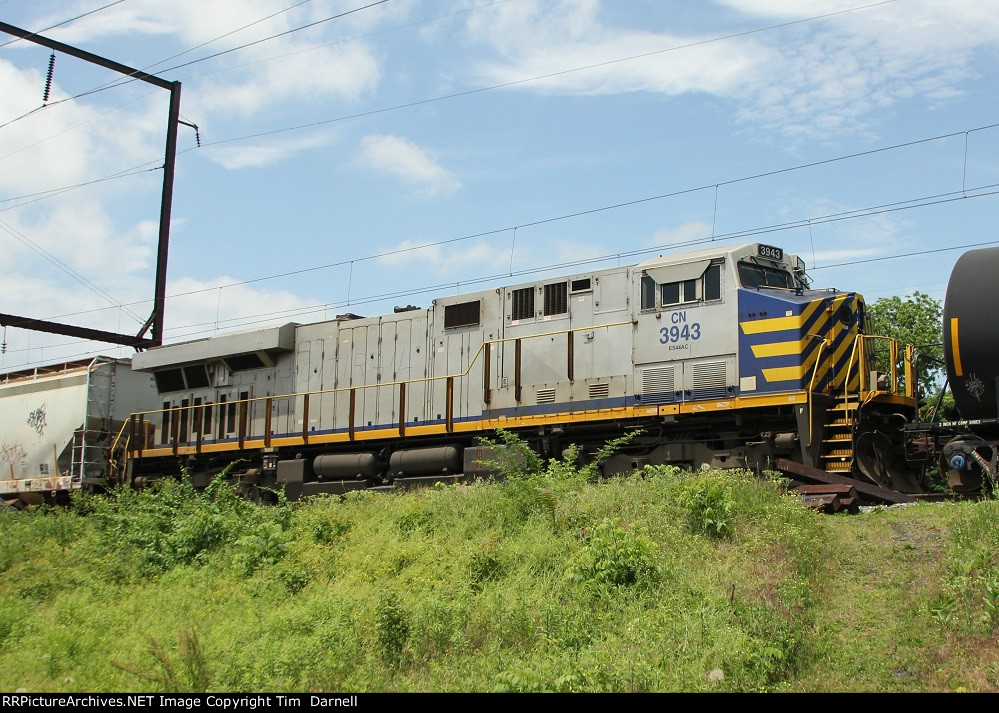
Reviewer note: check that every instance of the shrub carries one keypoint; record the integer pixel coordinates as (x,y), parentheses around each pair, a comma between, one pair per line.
(392,629)
(614,556)
(709,504)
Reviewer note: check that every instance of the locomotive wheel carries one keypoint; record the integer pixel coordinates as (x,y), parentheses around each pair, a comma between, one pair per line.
(248,491)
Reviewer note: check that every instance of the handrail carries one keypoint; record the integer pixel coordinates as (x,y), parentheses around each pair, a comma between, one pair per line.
(811,384)
(245,403)
(117,438)
(457,375)
(861,344)
(858,344)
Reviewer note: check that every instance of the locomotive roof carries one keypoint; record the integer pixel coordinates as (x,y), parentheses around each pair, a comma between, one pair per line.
(268,339)
(707,254)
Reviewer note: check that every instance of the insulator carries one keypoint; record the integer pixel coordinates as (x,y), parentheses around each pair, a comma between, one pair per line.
(48,79)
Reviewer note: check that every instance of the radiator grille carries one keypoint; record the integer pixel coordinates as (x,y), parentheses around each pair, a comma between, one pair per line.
(465,314)
(523,304)
(556,298)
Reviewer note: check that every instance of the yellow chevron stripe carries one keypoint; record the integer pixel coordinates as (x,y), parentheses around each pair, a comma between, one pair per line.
(785,373)
(778,324)
(788,373)
(780,348)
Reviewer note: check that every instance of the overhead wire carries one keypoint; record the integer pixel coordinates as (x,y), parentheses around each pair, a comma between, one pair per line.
(353,38)
(67,269)
(456,94)
(614,206)
(119,81)
(527,80)
(909,204)
(63,22)
(978,192)
(423,101)
(249,322)
(46,104)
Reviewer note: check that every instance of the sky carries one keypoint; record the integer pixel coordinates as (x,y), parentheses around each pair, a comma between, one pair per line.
(355,155)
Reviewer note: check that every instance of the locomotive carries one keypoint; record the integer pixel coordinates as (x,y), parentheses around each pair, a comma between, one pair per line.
(721,358)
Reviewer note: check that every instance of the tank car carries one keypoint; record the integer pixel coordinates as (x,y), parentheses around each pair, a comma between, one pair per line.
(725,357)
(967,450)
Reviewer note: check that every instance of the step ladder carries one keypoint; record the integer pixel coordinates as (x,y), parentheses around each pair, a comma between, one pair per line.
(837,437)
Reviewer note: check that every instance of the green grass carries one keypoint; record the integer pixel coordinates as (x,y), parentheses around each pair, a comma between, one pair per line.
(661,581)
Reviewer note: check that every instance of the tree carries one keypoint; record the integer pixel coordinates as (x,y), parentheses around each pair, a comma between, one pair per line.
(916,320)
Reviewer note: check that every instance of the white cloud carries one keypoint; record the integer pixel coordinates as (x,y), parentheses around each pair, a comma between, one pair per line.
(243,155)
(681,235)
(70,142)
(345,72)
(305,66)
(455,259)
(810,78)
(82,236)
(413,164)
(199,308)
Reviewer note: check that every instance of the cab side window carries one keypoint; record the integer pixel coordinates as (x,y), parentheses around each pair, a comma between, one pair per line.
(705,288)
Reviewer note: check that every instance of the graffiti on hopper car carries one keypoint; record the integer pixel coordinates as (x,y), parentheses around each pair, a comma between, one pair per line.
(13,453)
(36,420)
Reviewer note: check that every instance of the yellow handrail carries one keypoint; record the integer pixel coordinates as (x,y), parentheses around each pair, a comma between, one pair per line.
(811,386)
(143,415)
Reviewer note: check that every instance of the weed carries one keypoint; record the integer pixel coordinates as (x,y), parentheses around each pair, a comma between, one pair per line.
(969,597)
(534,486)
(614,556)
(392,629)
(267,544)
(484,567)
(186,672)
(709,504)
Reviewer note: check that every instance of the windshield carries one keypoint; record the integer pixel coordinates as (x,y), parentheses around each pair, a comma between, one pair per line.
(755,275)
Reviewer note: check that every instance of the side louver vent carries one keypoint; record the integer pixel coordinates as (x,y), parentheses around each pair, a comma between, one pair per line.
(708,380)
(599,391)
(657,385)
(546,396)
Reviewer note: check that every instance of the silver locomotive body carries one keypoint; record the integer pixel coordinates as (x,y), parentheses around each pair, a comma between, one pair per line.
(722,358)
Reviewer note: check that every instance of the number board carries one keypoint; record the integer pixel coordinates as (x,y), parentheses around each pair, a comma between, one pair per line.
(769,251)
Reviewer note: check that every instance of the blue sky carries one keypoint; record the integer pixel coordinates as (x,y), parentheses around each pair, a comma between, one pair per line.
(410,149)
